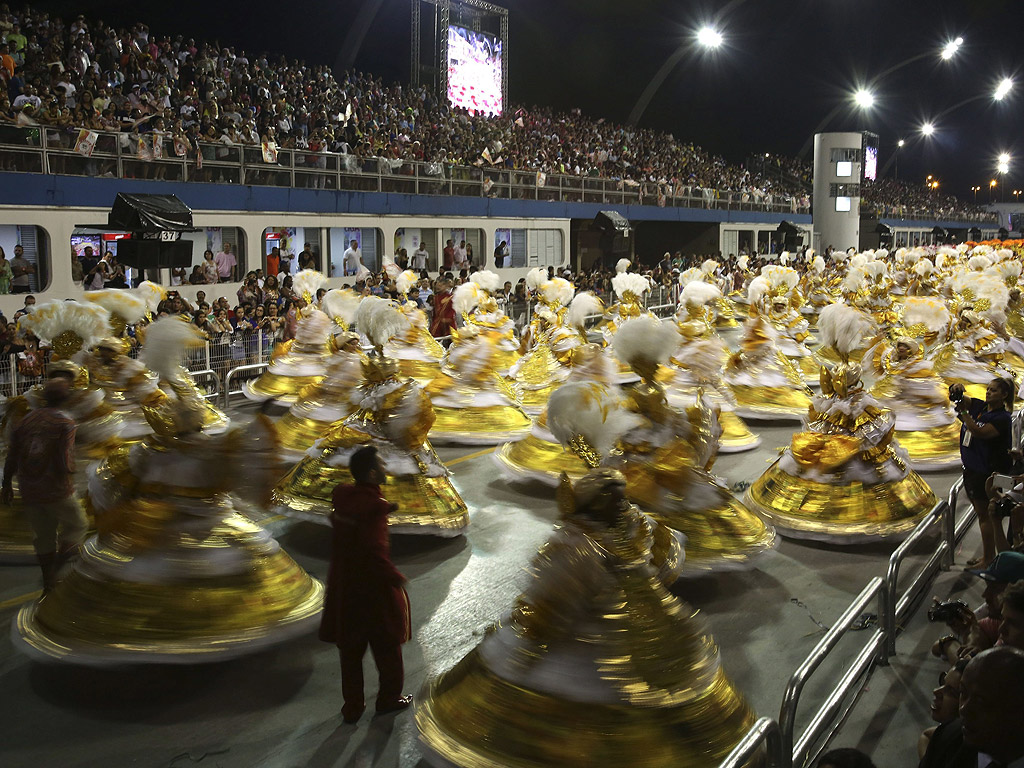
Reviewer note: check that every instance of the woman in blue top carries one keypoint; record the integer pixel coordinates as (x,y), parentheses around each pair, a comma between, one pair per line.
(986,431)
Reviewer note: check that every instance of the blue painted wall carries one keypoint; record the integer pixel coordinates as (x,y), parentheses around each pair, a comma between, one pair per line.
(31,189)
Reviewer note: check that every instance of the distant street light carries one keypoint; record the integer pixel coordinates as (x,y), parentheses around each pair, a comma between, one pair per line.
(927,129)
(951,48)
(709,37)
(1004,87)
(900,143)
(975,189)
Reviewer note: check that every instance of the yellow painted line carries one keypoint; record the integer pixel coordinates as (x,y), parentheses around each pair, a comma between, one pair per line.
(469,456)
(16,601)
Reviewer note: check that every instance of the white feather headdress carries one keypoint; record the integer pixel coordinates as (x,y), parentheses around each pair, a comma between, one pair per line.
(590,411)
(859,260)
(910,258)
(690,275)
(466,298)
(818,265)
(709,266)
(940,260)
(53,319)
(535,277)
(151,293)
(780,279)
(924,267)
(307,282)
(558,290)
(699,293)
(621,266)
(489,281)
(979,263)
(406,281)
(1004,270)
(876,269)
(166,342)
(843,327)
(630,282)
(585,305)
(645,339)
(340,304)
(855,279)
(380,320)
(743,261)
(932,314)
(127,305)
(757,290)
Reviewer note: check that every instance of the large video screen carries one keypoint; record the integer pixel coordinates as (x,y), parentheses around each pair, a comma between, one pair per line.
(870,163)
(474,71)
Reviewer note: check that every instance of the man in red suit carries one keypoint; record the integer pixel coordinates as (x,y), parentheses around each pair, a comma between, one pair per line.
(443,318)
(366,603)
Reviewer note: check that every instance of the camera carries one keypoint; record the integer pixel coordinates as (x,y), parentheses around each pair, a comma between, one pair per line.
(956,398)
(947,611)
(1004,506)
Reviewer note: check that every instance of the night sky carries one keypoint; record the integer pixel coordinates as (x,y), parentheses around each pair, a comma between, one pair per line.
(785,65)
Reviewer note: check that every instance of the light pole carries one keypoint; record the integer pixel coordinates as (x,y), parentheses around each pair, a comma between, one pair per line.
(991,192)
(899,146)
(975,189)
(1003,167)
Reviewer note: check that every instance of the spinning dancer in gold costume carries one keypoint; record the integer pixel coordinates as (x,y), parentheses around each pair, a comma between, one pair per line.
(597,664)
(666,459)
(845,479)
(474,303)
(418,353)
(394,415)
(175,574)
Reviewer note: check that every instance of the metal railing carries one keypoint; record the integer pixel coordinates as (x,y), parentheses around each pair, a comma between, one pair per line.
(763,739)
(46,149)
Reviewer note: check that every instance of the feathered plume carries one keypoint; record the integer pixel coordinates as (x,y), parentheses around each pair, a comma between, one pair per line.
(313,329)
(1002,254)
(590,411)
(757,290)
(784,278)
(924,267)
(882,254)
(489,281)
(1005,270)
(784,258)
(855,279)
(127,305)
(466,298)
(405,281)
(380,320)
(709,267)
(979,263)
(940,260)
(876,269)
(910,258)
(340,304)
(743,261)
(166,342)
(992,288)
(699,294)
(621,266)
(839,256)
(922,311)
(630,282)
(901,255)
(818,265)
(535,277)
(151,293)
(307,282)
(89,322)
(585,305)
(844,328)
(859,260)
(391,269)
(558,290)
(645,338)
(691,275)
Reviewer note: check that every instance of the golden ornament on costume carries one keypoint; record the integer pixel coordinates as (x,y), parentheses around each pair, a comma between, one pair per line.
(695,368)
(473,404)
(297,366)
(845,479)
(597,664)
(175,574)
(394,415)
(666,458)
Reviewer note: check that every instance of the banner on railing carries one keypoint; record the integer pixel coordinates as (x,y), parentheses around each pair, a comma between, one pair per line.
(86,142)
(158,146)
(143,150)
(269,152)
(180,146)
(542,178)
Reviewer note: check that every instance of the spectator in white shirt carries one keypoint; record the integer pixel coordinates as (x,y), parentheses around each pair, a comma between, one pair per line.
(353,258)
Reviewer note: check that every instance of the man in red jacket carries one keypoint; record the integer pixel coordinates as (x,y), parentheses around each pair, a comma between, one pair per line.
(366,603)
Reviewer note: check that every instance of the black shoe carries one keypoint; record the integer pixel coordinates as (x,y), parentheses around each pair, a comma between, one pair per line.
(396,706)
(351,718)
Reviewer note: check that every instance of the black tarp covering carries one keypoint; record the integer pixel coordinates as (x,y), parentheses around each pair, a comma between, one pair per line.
(149,213)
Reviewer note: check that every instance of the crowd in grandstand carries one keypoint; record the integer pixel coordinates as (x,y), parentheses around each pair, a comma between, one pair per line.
(891,197)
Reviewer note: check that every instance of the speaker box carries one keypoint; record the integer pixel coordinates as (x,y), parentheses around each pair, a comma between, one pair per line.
(155,254)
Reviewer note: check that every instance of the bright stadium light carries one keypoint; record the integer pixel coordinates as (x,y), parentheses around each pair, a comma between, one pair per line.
(950,49)
(900,143)
(1004,158)
(865,99)
(927,129)
(1004,87)
(1003,168)
(709,37)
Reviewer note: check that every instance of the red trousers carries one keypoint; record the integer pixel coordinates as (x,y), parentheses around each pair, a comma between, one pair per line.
(387,655)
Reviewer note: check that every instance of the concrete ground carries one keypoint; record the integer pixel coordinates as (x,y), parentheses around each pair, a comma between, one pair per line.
(280,709)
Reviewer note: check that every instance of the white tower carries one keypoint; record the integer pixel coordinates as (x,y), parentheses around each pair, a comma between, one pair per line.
(838,171)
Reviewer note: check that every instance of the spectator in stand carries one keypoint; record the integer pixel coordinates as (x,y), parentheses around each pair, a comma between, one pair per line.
(448,256)
(1011,626)
(274,261)
(22,270)
(306,258)
(945,706)
(6,274)
(211,272)
(227,264)
(352,259)
(419,258)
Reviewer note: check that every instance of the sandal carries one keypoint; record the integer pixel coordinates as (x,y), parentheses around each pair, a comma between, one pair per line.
(974,562)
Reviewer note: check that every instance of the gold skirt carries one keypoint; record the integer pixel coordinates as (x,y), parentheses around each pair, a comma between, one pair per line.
(932,449)
(736,435)
(423,371)
(283,388)
(536,459)
(488,425)
(189,618)
(297,434)
(472,718)
(852,513)
(781,403)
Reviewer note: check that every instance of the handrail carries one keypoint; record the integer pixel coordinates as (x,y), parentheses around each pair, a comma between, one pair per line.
(764,731)
(209,372)
(239,369)
(873,652)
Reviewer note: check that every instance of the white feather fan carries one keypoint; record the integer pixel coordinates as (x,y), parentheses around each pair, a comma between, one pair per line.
(645,338)
(90,322)
(780,277)
(882,254)
(808,255)
(818,265)
(489,281)
(380,320)
(621,266)
(558,290)
(466,298)
(535,277)
(1002,254)
(940,260)
(784,258)
(630,282)
(838,256)
(844,328)
(859,260)
(151,293)
(921,310)
(340,304)
(307,282)
(876,269)
(166,342)
(901,255)
(585,305)
(992,288)
(910,258)
(391,269)
(127,305)
(405,281)
(313,329)
(699,294)
(1005,270)
(709,266)
(757,290)
(690,275)
(743,261)
(591,411)
(855,279)
(979,263)
(924,267)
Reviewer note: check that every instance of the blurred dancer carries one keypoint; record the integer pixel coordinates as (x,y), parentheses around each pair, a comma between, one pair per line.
(366,603)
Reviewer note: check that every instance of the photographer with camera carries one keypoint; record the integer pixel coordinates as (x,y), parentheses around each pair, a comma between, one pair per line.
(986,431)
